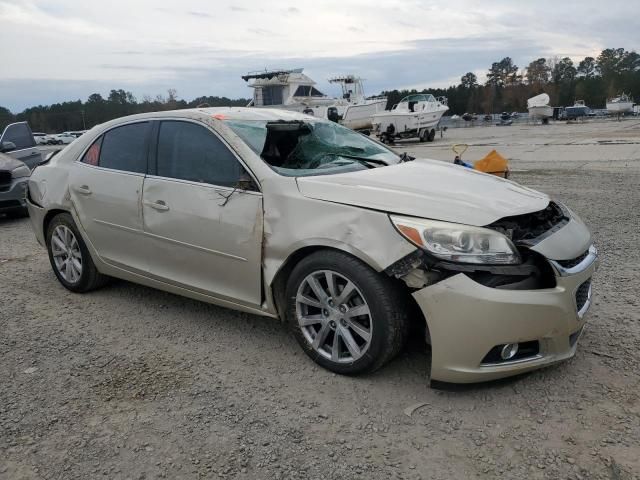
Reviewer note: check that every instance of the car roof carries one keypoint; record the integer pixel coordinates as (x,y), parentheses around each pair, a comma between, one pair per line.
(248,113)
(220,113)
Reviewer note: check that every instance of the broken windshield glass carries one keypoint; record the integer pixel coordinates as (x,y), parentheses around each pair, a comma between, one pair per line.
(311,148)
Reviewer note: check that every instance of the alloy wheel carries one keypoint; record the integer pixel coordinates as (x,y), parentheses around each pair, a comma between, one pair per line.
(66,254)
(334,316)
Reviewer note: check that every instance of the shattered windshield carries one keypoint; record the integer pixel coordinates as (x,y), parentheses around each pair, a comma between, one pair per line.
(311,148)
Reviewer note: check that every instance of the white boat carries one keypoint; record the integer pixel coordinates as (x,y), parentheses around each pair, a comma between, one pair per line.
(287,89)
(538,107)
(293,90)
(414,116)
(620,104)
(354,109)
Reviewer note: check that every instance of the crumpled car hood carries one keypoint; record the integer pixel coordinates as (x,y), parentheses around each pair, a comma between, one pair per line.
(427,189)
(9,163)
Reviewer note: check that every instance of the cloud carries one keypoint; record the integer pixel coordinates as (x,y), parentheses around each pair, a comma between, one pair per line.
(204,15)
(28,14)
(153,45)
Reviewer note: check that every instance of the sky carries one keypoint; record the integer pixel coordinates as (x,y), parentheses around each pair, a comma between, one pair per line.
(53,51)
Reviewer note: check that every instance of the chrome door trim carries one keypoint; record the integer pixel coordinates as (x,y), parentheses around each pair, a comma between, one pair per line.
(204,184)
(105,169)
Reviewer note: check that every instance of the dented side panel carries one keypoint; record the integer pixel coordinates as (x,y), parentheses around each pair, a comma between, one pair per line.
(293,222)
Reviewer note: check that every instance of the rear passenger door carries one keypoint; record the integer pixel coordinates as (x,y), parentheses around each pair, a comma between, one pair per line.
(20,135)
(106,191)
(205,230)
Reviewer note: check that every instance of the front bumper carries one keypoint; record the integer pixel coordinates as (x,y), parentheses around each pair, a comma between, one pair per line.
(466,320)
(13,196)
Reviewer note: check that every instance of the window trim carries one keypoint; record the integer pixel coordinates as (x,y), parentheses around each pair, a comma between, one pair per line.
(154,159)
(102,134)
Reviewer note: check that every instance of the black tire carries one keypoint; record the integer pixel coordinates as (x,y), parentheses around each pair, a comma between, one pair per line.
(424,135)
(386,301)
(432,135)
(90,278)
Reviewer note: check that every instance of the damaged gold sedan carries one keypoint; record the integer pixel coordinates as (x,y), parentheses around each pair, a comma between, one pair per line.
(280,214)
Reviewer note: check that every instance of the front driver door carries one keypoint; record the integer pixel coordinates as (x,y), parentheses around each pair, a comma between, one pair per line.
(106,192)
(26,150)
(206,234)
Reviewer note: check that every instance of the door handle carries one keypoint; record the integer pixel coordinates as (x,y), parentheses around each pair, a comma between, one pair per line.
(35,153)
(84,190)
(157,205)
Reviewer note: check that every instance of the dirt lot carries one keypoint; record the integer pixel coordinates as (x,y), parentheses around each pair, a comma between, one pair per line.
(132,383)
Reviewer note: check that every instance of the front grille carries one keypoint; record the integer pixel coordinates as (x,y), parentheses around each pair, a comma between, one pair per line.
(582,294)
(9,204)
(5,178)
(574,261)
(530,226)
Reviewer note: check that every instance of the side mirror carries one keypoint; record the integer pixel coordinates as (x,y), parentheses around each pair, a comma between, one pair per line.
(7,147)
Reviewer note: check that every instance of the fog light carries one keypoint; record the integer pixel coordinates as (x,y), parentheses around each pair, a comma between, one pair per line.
(509,351)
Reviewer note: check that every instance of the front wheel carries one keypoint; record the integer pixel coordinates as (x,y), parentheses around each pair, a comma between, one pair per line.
(347,317)
(69,256)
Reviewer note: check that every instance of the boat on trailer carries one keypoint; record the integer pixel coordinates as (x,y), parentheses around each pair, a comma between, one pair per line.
(293,90)
(539,107)
(620,104)
(354,109)
(414,116)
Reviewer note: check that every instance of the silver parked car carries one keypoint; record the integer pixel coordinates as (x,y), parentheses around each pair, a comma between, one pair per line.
(285,215)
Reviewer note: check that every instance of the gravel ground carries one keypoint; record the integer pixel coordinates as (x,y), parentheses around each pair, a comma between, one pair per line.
(132,383)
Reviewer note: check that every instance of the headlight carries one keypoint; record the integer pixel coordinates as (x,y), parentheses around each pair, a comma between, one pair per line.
(21,171)
(458,243)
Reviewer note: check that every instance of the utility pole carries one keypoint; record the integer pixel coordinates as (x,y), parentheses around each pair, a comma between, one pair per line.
(84,126)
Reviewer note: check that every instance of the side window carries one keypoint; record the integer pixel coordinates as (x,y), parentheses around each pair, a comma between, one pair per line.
(92,156)
(122,148)
(20,134)
(191,152)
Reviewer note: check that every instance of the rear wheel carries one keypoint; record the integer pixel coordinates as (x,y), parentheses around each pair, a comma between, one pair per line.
(432,135)
(69,256)
(347,317)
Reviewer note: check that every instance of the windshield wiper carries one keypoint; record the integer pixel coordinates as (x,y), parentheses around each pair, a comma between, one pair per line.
(363,160)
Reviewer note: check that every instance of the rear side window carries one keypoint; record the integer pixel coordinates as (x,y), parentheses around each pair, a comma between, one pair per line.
(20,134)
(191,152)
(92,156)
(122,148)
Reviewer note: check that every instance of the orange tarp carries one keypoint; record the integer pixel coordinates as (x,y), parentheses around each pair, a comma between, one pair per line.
(493,163)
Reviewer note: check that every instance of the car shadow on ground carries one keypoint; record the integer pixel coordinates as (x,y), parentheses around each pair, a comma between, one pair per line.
(6,219)
(413,363)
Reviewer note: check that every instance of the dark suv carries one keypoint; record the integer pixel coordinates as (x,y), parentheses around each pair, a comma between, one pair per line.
(18,156)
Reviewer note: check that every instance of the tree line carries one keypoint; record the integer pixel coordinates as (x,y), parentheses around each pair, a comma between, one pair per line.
(79,115)
(507,88)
